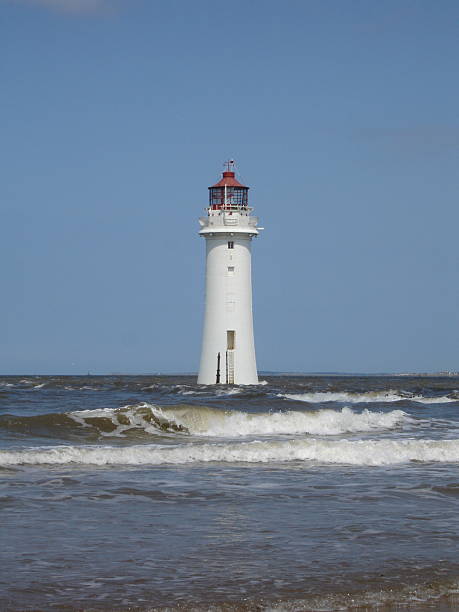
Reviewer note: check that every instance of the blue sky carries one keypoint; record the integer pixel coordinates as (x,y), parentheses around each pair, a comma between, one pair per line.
(117,115)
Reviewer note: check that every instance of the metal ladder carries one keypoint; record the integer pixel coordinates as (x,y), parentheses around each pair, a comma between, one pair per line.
(230,367)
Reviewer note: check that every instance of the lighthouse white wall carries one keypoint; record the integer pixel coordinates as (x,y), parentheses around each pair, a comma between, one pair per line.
(228,307)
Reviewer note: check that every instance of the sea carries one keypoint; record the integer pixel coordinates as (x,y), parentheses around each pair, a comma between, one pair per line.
(310,493)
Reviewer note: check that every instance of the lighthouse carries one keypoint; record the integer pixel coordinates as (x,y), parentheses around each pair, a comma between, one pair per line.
(228,348)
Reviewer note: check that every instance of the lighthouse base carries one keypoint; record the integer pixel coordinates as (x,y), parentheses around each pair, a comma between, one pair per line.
(225,371)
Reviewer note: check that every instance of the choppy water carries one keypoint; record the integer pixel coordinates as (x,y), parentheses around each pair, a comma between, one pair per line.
(303,493)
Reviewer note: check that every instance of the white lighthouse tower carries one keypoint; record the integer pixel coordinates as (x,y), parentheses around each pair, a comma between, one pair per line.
(228,349)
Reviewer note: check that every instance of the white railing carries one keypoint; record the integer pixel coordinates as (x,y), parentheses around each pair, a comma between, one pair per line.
(230,207)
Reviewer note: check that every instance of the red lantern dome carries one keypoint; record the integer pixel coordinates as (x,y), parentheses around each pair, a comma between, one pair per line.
(228,193)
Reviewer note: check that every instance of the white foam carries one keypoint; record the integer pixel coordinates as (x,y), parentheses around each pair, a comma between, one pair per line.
(370,396)
(361,452)
(211,422)
(229,391)
(182,390)
(445,399)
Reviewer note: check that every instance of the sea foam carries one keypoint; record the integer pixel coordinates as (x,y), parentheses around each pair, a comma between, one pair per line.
(364,398)
(348,452)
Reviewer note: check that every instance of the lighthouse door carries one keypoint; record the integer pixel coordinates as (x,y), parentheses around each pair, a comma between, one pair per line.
(230,344)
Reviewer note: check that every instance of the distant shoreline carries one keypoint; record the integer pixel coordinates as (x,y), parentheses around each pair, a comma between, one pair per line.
(442,374)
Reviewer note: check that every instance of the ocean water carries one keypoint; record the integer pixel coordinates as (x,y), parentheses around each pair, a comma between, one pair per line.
(302,493)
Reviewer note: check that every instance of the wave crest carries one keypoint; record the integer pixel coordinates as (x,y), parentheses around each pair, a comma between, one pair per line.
(120,421)
(347,452)
(148,419)
(213,422)
(127,421)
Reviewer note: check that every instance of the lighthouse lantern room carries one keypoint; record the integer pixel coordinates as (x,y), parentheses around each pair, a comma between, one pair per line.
(228,349)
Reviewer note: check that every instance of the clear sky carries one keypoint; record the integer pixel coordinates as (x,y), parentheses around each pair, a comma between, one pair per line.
(116,115)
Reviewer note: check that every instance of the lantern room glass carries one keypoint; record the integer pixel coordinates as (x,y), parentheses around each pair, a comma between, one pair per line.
(236,198)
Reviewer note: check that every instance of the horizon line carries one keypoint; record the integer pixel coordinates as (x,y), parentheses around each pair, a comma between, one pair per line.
(261,373)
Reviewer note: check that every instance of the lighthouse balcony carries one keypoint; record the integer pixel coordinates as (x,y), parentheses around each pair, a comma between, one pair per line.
(220,224)
(229,208)
(228,219)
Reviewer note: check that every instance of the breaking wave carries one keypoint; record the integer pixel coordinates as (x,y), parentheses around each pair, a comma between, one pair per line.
(347,452)
(205,421)
(370,396)
(148,419)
